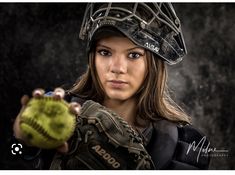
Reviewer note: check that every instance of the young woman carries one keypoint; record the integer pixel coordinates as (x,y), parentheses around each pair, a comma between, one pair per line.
(128,47)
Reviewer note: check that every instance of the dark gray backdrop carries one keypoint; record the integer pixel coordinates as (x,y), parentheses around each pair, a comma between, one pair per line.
(39,47)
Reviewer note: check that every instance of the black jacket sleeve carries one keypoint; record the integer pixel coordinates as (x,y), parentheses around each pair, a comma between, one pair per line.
(177,147)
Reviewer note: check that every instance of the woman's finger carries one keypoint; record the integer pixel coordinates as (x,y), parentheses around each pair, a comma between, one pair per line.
(63,148)
(59,93)
(74,108)
(37,93)
(24,100)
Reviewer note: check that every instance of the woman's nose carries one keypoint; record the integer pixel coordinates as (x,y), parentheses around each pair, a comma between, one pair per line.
(118,65)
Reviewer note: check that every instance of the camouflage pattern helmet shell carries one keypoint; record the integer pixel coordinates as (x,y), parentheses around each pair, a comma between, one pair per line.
(153,26)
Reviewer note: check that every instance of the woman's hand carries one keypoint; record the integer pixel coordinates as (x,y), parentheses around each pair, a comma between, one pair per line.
(58,93)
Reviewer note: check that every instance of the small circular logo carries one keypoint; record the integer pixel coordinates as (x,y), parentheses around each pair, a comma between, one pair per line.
(16,148)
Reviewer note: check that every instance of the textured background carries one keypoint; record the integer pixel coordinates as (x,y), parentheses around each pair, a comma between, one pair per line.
(39,47)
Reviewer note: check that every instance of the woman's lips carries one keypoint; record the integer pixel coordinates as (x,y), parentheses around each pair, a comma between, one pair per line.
(118,84)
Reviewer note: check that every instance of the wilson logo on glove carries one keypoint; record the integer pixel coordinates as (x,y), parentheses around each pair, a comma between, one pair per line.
(106,156)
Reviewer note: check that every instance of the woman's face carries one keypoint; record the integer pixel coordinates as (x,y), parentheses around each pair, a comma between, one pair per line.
(121,67)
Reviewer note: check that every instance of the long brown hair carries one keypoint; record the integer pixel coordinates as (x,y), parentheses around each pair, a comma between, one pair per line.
(153,99)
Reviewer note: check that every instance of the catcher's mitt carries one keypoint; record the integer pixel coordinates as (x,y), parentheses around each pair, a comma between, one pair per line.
(103,140)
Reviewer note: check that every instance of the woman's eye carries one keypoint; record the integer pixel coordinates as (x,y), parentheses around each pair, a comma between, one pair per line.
(135,55)
(104,52)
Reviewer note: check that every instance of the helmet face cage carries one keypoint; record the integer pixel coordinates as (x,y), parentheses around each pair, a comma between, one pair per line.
(153,26)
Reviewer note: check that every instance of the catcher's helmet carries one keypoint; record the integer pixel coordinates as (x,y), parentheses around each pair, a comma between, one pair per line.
(153,26)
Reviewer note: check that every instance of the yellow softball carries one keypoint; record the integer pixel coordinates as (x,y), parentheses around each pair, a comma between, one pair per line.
(47,122)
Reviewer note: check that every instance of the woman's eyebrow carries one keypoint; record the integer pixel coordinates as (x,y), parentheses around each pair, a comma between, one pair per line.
(129,49)
(100,45)
(137,47)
